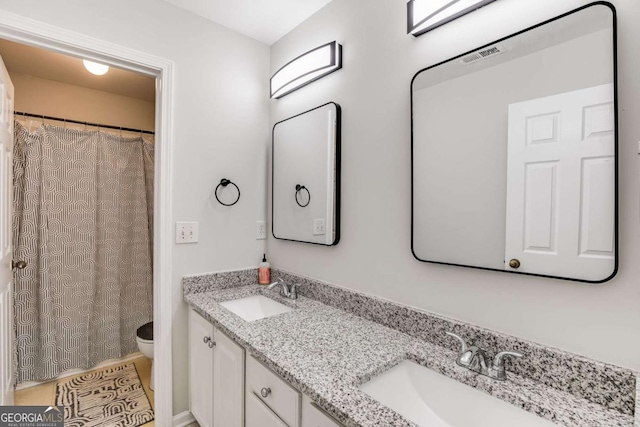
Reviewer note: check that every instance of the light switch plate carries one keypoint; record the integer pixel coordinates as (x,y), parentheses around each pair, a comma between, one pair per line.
(319,227)
(186,232)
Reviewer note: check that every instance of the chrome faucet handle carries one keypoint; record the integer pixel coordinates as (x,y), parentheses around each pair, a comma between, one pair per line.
(497,371)
(498,361)
(293,290)
(277,282)
(287,290)
(463,344)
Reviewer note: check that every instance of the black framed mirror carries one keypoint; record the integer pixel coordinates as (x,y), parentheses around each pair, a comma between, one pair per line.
(305,181)
(514,152)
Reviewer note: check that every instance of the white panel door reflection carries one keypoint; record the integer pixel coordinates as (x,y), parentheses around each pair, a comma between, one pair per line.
(560,185)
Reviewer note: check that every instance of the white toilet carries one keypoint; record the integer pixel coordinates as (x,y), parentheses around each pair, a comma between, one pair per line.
(144,336)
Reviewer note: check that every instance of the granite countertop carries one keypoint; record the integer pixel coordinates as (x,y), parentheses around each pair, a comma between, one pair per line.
(326,353)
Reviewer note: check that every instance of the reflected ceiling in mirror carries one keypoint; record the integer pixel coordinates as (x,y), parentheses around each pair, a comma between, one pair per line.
(514,152)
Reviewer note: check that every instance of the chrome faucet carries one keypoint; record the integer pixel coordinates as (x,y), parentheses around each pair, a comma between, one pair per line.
(287,291)
(476,359)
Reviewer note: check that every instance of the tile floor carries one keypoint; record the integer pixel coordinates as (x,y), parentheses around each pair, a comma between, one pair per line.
(44,394)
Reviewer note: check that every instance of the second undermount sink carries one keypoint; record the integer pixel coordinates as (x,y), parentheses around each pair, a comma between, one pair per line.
(431,399)
(255,307)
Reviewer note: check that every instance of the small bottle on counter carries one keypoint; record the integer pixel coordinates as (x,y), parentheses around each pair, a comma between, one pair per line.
(264,271)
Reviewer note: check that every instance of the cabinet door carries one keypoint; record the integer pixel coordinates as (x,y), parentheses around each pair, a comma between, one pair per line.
(259,415)
(228,387)
(201,369)
(313,416)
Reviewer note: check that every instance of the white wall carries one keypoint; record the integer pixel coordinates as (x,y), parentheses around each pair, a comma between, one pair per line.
(374,253)
(221,129)
(460,145)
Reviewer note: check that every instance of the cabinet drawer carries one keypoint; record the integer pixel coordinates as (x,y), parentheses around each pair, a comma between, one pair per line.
(259,415)
(313,416)
(281,397)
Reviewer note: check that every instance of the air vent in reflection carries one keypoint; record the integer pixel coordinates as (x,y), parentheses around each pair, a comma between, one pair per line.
(471,58)
(482,54)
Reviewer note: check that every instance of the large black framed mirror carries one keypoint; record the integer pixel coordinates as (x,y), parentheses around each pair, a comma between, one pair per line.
(514,152)
(305,181)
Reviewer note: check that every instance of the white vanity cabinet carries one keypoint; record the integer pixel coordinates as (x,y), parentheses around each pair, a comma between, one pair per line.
(216,375)
(228,391)
(272,402)
(228,384)
(258,414)
(267,392)
(313,416)
(201,369)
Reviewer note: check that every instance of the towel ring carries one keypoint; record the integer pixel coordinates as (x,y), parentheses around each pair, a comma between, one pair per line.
(224,182)
(299,188)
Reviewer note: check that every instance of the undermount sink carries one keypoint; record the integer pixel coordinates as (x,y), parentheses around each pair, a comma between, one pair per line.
(255,307)
(431,399)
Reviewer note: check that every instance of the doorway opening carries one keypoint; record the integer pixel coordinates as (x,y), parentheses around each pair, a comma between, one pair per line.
(73,127)
(82,223)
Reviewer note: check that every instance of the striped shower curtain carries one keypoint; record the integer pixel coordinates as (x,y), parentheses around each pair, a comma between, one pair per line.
(83,223)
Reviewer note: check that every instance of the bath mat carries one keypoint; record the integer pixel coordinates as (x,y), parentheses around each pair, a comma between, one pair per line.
(110,397)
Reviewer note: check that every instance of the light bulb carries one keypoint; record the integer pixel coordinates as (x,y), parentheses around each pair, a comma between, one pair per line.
(95,68)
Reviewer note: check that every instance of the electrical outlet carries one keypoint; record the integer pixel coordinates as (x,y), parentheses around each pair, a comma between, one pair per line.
(318,227)
(261,230)
(186,232)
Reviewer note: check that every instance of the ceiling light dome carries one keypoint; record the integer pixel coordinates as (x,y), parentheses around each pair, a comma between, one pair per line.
(95,68)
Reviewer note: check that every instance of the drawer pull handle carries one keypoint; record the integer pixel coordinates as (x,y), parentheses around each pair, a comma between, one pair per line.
(265,392)
(206,339)
(211,343)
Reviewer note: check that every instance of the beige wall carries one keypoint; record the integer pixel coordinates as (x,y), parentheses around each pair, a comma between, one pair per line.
(50,98)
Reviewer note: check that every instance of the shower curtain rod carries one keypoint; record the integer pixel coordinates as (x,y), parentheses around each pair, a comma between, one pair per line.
(58,119)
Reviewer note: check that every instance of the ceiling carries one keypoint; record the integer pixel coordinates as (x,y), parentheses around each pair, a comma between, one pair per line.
(264,20)
(37,62)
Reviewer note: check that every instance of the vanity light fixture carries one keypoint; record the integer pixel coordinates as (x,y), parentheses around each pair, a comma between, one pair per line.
(425,15)
(306,68)
(95,68)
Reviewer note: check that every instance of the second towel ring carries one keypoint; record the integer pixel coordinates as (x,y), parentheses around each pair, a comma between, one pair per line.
(299,188)
(224,182)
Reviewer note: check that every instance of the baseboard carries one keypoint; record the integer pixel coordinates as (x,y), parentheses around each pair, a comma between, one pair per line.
(184,419)
(73,372)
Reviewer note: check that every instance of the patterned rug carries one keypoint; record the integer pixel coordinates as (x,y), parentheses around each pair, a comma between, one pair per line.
(111,397)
